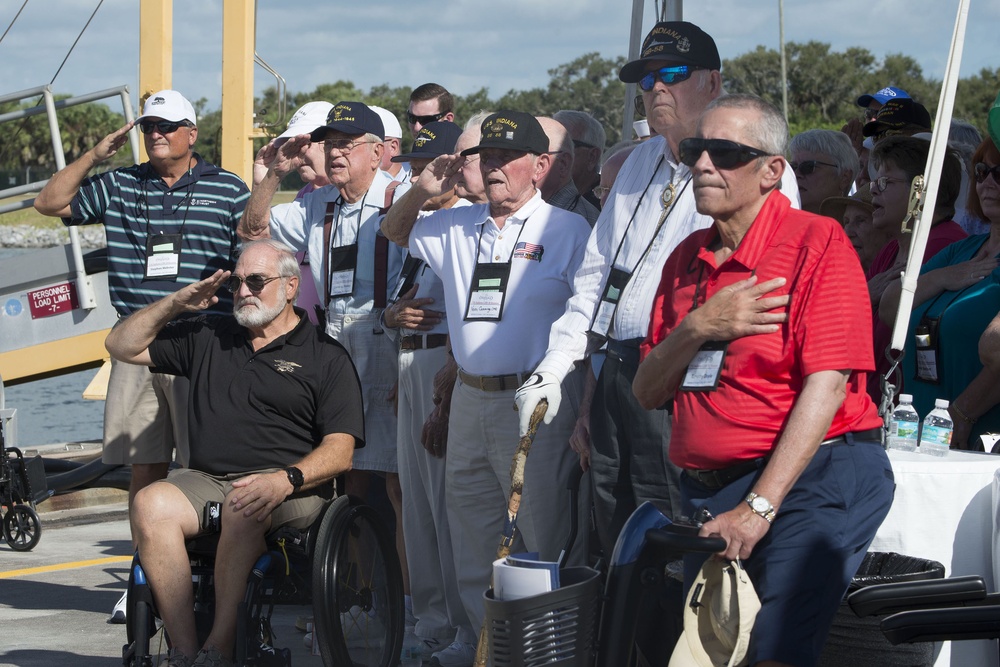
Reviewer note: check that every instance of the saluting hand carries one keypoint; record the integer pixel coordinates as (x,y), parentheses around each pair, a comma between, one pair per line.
(440,175)
(108,147)
(200,295)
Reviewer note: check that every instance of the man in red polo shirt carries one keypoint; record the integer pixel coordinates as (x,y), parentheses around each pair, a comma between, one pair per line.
(750,338)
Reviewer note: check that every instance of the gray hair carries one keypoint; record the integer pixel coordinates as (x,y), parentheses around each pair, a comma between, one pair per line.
(477,119)
(770,134)
(582,127)
(964,133)
(831,143)
(288,264)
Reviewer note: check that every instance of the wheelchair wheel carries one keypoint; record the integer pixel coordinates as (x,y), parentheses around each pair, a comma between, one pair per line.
(140,618)
(357,588)
(21,528)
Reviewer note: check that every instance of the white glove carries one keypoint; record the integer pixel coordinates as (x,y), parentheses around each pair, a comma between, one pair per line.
(535,388)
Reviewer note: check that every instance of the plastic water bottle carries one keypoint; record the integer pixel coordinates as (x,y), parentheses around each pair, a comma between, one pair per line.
(936,436)
(904,427)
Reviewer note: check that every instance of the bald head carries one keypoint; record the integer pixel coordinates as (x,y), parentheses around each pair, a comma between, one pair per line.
(609,171)
(561,148)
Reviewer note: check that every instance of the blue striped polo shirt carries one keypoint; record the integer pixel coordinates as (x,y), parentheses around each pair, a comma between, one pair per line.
(204,206)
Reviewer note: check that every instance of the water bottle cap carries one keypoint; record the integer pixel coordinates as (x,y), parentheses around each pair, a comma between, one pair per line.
(940,403)
(906,398)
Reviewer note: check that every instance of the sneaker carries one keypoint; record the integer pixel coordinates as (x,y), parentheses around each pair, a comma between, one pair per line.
(176,659)
(118,613)
(430,646)
(307,640)
(211,657)
(457,654)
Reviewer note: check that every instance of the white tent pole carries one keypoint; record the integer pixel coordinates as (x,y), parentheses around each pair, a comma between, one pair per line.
(932,172)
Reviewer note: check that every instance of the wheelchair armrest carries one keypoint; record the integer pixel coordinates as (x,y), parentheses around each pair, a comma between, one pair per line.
(910,595)
(934,625)
(679,539)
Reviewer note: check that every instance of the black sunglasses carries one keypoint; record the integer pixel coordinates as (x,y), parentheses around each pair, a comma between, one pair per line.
(807,167)
(982,171)
(255,282)
(424,120)
(162,126)
(724,154)
(668,75)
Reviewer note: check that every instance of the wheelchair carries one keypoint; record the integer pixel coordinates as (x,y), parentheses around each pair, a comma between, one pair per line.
(345,565)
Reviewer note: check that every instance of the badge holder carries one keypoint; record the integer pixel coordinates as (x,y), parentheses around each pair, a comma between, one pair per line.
(598,334)
(343,264)
(926,339)
(705,369)
(163,256)
(489,289)
(407,277)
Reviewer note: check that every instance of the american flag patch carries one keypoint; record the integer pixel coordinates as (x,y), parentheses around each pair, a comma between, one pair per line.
(529,251)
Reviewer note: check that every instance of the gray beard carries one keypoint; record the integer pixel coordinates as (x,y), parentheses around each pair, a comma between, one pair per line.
(256,317)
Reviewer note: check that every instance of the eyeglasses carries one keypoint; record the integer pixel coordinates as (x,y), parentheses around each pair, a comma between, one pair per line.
(255,282)
(807,167)
(423,120)
(601,190)
(982,171)
(161,126)
(344,146)
(870,114)
(882,182)
(724,154)
(668,75)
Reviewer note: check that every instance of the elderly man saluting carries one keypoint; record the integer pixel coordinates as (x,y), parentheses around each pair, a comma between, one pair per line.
(275,414)
(507,270)
(773,429)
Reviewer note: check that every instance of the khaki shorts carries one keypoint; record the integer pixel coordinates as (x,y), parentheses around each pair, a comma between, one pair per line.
(145,416)
(200,488)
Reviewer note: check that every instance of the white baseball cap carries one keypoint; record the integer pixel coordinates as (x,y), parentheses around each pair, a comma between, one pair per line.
(390,122)
(168,105)
(310,116)
(718,617)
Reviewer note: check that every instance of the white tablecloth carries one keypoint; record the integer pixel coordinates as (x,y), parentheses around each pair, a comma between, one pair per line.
(945,509)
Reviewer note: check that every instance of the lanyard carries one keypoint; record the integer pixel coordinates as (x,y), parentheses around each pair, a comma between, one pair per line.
(339,206)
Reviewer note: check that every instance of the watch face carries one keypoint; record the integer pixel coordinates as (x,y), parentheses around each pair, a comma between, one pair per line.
(760,504)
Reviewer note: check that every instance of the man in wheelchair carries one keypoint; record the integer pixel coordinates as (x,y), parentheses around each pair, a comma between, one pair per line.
(275,414)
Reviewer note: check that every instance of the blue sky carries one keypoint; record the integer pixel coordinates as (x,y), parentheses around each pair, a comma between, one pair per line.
(462,44)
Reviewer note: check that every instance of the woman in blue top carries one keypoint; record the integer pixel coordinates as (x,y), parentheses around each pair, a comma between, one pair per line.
(957,296)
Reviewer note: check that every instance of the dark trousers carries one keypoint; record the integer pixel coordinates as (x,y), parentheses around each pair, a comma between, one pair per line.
(803,565)
(629,463)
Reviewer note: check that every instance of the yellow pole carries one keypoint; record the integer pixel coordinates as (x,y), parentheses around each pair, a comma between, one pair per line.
(237,87)
(156,50)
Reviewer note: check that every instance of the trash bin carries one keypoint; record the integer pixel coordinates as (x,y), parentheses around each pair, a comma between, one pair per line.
(554,628)
(859,641)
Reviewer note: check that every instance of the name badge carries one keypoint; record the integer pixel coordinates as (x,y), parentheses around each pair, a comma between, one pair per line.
(343,263)
(926,345)
(163,256)
(705,369)
(407,277)
(489,289)
(606,307)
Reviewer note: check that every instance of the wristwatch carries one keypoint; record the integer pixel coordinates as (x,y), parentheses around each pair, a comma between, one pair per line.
(295,477)
(760,506)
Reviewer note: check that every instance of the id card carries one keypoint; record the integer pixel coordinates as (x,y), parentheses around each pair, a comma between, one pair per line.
(343,263)
(489,288)
(617,280)
(163,256)
(705,369)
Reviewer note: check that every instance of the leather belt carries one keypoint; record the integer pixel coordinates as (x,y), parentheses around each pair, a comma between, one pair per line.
(871,434)
(493,382)
(716,479)
(423,341)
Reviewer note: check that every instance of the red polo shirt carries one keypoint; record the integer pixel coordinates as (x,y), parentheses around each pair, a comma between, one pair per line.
(829,318)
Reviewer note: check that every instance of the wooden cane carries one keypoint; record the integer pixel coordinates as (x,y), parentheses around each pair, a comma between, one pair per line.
(513,504)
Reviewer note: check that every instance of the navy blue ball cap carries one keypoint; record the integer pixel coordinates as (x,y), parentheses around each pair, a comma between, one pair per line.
(512,130)
(350,118)
(675,42)
(433,140)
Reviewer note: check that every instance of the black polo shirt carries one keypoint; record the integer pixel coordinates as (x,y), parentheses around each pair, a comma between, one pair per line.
(266,409)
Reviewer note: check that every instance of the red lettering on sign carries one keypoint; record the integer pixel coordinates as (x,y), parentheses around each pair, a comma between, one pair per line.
(53,300)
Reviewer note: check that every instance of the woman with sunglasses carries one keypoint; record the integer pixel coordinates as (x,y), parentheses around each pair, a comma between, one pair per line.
(958,294)
(897,161)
